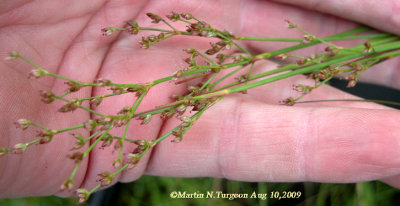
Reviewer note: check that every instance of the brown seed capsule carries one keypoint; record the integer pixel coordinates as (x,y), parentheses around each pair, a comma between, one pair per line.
(37,73)
(96,101)
(103,82)
(108,31)
(186,16)
(83,195)
(67,185)
(173,16)
(117,163)
(71,106)
(133,159)
(90,125)
(46,136)
(23,123)
(3,151)
(178,74)
(133,27)
(19,148)
(290,24)
(74,86)
(76,156)
(289,101)
(106,178)
(107,140)
(47,96)
(154,17)
(146,119)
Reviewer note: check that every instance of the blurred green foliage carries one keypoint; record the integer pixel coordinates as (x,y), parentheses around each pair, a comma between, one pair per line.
(156,191)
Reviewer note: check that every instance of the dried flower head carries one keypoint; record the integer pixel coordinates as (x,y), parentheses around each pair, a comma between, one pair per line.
(3,151)
(107,140)
(67,185)
(154,17)
(290,24)
(173,16)
(118,144)
(91,124)
(289,101)
(37,73)
(23,123)
(71,106)
(186,16)
(46,136)
(103,82)
(117,163)
(133,27)
(74,86)
(145,119)
(83,195)
(368,47)
(76,156)
(20,148)
(96,101)
(308,38)
(106,178)
(133,159)
(108,31)
(12,55)
(303,88)
(79,140)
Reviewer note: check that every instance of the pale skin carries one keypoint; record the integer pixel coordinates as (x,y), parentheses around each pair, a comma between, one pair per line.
(254,140)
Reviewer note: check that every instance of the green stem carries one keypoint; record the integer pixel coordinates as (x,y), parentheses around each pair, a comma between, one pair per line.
(75,170)
(352,100)
(208,81)
(267,39)
(87,151)
(196,71)
(39,125)
(102,96)
(133,110)
(338,38)
(228,75)
(33,142)
(377,42)
(207,58)
(219,33)
(120,170)
(127,140)
(300,46)
(309,69)
(168,24)
(70,128)
(94,189)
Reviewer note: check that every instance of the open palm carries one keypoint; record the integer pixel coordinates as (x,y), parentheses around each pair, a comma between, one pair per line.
(255,139)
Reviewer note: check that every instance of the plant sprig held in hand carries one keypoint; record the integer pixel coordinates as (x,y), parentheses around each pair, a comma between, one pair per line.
(202,65)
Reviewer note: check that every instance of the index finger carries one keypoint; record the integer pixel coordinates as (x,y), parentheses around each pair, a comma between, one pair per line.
(254,141)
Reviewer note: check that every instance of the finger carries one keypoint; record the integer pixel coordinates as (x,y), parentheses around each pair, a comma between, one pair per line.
(393,181)
(254,141)
(383,15)
(269,23)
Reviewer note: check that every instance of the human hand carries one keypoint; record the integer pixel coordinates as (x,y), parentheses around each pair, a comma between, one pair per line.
(254,140)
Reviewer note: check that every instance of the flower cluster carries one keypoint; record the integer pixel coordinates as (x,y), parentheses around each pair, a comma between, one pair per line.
(203,66)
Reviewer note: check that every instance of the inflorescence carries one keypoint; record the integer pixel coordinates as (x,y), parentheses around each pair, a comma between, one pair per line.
(334,61)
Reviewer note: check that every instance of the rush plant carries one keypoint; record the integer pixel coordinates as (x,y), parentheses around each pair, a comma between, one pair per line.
(225,68)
